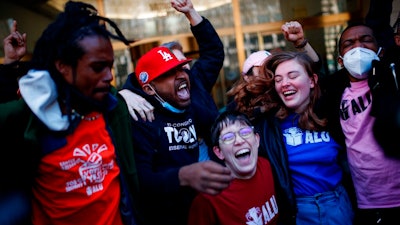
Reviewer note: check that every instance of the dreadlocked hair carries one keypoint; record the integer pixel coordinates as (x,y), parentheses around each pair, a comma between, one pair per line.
(308,119)
(59,41)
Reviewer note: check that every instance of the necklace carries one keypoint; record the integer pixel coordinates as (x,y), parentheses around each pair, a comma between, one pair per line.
(87,118)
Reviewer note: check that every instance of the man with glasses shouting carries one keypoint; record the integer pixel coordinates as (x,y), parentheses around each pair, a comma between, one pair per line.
(250,198)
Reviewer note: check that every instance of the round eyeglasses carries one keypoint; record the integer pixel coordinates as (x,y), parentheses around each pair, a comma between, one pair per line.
(230,137)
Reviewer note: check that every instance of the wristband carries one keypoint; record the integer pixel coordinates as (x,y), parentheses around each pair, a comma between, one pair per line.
(303,44)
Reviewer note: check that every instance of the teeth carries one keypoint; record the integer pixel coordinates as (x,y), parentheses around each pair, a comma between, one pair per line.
(182,86)
(289,92)
(241,152)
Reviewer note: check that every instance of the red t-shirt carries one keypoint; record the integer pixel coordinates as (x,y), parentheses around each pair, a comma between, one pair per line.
(78,183)
(249,202)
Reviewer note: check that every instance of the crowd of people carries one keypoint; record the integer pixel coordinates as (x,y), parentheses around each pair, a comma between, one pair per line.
(292,146)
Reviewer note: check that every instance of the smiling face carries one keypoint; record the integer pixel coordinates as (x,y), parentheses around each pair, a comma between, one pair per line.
(239,151)
(293,85)
(92,75)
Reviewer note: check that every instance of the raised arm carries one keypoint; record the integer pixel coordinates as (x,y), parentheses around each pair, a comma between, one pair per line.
(186,7)
(12,69)
(293,32)
(14,45)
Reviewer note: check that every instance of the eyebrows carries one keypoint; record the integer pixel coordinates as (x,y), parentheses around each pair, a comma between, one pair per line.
(365,38)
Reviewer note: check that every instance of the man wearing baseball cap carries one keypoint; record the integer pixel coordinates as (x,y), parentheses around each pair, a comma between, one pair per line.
(161,63)
(167,148)
(167,152)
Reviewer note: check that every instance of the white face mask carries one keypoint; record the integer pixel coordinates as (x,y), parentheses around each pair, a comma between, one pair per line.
(358,61)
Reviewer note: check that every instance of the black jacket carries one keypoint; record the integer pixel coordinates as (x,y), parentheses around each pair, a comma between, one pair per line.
(158,167)
(9,74)
(273,148)
(385,102)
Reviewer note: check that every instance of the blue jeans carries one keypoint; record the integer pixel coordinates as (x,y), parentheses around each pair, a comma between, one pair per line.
(327,208)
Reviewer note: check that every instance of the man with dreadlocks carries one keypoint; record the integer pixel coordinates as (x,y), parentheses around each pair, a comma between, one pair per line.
(74,125)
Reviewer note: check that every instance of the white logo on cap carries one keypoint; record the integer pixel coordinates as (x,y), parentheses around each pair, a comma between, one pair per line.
(143,77)
(166,56)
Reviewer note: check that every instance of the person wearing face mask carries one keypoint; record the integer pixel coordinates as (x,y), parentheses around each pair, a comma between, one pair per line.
(205,70)
(361,102)
(69,132)
(167,156)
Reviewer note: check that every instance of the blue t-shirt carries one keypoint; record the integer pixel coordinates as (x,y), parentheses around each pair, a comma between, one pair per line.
(313,158)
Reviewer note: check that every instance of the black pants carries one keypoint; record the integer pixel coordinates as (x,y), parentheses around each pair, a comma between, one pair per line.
(387,216)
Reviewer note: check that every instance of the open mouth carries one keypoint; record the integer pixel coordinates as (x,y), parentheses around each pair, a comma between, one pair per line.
(243,154)
(183,91)
(289,93)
